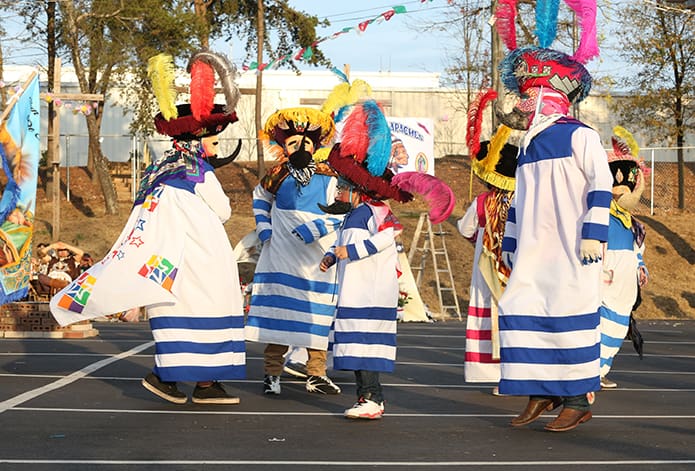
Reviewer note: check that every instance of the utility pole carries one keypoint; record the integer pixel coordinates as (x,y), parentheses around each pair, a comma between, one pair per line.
(260,26)
(495,59)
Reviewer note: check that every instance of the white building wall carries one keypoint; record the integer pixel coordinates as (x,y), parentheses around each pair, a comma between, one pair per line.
(415,95)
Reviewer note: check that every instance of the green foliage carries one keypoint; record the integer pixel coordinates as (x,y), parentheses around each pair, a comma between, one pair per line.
(659,42)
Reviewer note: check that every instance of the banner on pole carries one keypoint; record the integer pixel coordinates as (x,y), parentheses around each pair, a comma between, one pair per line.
(20,153)
(412,145)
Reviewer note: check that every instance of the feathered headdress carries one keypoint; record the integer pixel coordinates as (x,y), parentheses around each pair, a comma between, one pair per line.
(624,160)
(505,22)
(496,161)
(475,119)
(539,66)
(202,117)
(438,195)
(362,156)
(160,71)
(312,123)
(367,137)
(344,95)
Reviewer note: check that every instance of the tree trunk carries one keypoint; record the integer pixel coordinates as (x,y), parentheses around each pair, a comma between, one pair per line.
(200,7)
(259,87)
(101,167)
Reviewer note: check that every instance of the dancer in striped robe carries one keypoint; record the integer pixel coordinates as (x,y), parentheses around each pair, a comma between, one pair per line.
(364,337)
(549,312)
(624,271)
(483,224)
(293,302)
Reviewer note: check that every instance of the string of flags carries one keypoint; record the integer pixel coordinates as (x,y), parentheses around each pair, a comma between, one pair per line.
(308,52)
(84,108)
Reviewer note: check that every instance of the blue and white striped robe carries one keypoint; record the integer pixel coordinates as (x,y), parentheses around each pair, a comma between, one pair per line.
(293,302)
(364,336)
(620,280)
(549,312)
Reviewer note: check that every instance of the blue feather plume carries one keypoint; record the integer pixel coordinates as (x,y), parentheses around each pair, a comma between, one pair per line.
(340,74)
(546,21)
(379,150)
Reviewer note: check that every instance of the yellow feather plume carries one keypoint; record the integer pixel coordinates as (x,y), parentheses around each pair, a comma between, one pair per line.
(345,94)
(626,136)
(160,70)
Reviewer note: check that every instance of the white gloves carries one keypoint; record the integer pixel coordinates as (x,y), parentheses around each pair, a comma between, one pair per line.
(590,251)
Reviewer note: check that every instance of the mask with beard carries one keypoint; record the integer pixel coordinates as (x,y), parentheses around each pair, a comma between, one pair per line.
(338,207)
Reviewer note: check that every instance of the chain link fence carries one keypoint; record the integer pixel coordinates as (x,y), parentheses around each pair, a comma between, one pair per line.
(661,192)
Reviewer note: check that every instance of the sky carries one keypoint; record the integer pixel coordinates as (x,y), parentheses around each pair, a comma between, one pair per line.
(396,45)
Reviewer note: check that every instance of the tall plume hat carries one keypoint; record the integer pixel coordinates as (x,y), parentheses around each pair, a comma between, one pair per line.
(201,117)
(540,66)
(362,156)
(492,161)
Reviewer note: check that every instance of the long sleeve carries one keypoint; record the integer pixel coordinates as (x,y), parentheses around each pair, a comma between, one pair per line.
(593,161)
(212,193)
(468,224)
(372,245)
(262,204)
(315,229)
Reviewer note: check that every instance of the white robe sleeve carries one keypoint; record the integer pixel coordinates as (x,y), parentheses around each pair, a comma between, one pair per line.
(212,193)
(468,224)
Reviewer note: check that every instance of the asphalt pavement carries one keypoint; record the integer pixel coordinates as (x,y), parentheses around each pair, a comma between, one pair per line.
(79,405)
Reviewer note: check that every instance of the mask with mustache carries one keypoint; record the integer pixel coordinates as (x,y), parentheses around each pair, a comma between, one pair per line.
(338,207)
(301,157)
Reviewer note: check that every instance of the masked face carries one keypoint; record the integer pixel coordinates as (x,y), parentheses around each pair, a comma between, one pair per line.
(211,146)
(344,201)
(627,199)
(299,150)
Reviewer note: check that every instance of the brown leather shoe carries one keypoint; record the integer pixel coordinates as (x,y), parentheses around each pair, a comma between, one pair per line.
(568,420)
(534,409)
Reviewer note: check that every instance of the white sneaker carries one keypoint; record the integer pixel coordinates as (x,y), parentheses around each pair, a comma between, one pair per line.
(271,384)
(607,383)
(365,409)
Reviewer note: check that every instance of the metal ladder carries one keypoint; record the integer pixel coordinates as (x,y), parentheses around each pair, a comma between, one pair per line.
(429,246)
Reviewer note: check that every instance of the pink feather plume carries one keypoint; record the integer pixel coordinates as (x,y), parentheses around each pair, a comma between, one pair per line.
(202,90)
(505,23)
(588,44)
(475,119)
(355,135)
(439,197)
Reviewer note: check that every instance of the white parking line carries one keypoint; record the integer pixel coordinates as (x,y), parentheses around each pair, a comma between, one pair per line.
(319,414)
(29,395)
(355,464)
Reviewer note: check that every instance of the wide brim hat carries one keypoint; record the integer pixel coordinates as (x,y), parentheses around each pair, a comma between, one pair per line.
(495,163)
(532,67)
(312,123)
(187,128)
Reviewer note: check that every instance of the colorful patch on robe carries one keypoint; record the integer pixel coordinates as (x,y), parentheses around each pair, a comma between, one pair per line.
(75,297)
(160,270)
(152,200)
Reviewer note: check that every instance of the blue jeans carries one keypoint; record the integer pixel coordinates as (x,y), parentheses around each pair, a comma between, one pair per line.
(368,385)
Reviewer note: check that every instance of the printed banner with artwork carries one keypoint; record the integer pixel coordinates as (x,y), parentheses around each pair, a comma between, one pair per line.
(20,152)
(416,154)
